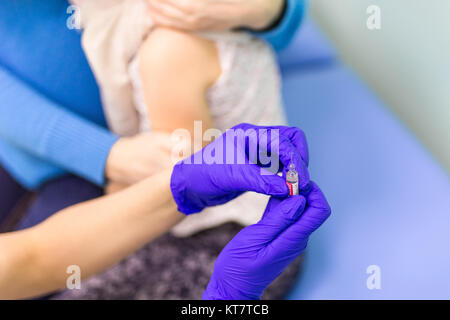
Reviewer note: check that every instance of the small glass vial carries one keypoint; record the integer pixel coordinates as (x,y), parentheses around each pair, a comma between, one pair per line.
(292,180)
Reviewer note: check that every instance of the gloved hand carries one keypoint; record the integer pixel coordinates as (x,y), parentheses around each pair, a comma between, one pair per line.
(233,164)
(260,252)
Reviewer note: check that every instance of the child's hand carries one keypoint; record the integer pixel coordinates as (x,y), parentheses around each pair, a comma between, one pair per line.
(133,159)
(210,15)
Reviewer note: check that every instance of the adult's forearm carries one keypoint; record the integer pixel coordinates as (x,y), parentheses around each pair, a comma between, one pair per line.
(44,129)
(93,235)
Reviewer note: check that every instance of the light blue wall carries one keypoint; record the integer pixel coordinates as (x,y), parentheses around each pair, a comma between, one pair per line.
(407,62)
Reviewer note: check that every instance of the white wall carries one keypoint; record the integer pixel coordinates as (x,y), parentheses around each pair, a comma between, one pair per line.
(407,62)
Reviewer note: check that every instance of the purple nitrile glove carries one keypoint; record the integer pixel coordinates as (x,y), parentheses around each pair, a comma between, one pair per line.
(244,158)
(259,253)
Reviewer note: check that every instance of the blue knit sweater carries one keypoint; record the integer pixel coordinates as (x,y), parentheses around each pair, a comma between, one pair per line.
(51,118)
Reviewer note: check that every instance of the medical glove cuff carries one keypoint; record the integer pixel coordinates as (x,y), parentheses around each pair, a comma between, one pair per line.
(216,291)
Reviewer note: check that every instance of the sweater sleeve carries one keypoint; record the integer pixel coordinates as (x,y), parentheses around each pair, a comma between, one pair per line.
(28,170)
(47,131)
(281,36)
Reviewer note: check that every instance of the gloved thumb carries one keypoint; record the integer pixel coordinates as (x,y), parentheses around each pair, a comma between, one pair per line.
(294,238)
(280,214)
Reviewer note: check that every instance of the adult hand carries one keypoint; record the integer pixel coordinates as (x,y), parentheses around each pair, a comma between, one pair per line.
(210,15)
(260,252)
(236,162)
(133,159)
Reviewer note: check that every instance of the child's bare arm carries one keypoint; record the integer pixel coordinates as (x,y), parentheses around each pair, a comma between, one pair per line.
(176,70)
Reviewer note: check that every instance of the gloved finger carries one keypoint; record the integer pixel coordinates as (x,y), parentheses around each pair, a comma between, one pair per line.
(273,148)
(277,149)
(265,139)
(281,146)
(288,154)
(279,215)
(298,138)
(251,177)
(317,211)
(286,209)
(282,154)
